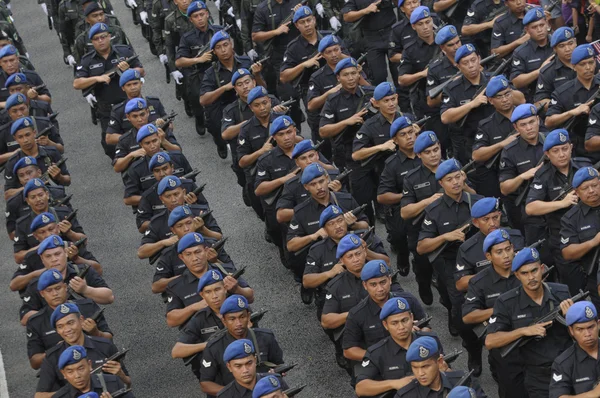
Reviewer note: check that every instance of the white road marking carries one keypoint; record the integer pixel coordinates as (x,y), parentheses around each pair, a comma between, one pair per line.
(3,383)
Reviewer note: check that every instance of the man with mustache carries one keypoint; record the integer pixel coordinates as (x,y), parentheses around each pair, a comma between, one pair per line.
(579,229)
(547,198)
(575,371)
(516,310)
(484,288)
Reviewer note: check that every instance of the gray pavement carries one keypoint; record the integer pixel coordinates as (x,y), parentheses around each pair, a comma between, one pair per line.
(137,316)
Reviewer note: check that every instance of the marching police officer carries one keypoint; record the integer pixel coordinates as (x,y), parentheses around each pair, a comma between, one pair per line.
(575,371)
(426,362)
(483,290)
(236,315)
(578,230)
(530,57)
(183,299)
(104,86)
(493,134)
(515,313)
(41,336)
(572,101)
(551,196)
(74,359)
(269,386)
(559,70)
(508,28)
(9,62)
(384,366)
(480,18)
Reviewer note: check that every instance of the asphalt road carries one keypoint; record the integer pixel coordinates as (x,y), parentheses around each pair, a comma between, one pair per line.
(137,316)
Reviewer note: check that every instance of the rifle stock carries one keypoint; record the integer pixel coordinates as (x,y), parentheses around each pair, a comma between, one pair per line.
(199,190)
(97,315)
(436,253)
(71,215)
(111,73)
(423,322)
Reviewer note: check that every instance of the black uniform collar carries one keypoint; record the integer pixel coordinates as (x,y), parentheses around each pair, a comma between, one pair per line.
(578,86)
(585,209)
(558,64)
(514,19)
(524,144)
(535,46)
(581,355)
(526,301)
(467,83)
(358,93)
(236,62)
(498,117)
(189,277)
(239,390)
(496,277)
(277,151)
(396,348)
(382,120)
(402,156)
(449,201)
(210,29)
(305,42)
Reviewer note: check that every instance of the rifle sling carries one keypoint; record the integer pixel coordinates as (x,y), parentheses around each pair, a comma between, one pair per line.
(252,336)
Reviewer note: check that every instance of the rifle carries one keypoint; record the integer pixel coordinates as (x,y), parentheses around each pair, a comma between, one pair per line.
(592,265)
(111,73)
(494,13)
(168,119)
(283,368)
(343,175)
(80,242)
(423,322)
(547,272)
(71,216)
(368,160)
(198,190)
(551,316)
(115,357)
(120,393)
(218,245)
(205,47)
(463,380)
(436,253)
(568,188)
(97,315)
(168,73)
(287,103)
(37,88)
(523,193)
(81,274)
(359,209)
(46,176)
(453,356)
(62,201)
(498,71)
(191,175)
(268,44)
(44,132)
(292,392)
(263,59)
(538,243)
(272,197)
(590,101)
(366,235)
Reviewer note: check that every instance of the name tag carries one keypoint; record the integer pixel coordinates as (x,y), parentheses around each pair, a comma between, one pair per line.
(423,185)
(50,332)
(534,60)
(394,368)
(465,101)
(209,330)
(582,379)
(521,316)
(585,227)
(492,295)
(482,263)
(404,172)
(189,295)
(522,163)
(96,66)
(346,296)
(313,222)
(343,110)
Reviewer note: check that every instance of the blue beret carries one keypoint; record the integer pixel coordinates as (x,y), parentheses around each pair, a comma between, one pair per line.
(581,312)
(178,214)
(393,306)
(191,239)
(8,50)
(523,111)
(424,141)
(234,303)
(24,162)
(374,269)
(14,100)
(383,90)
(195,6)
(135,104)
(129,75)
(484,207)
(168,183)
(556,137)
(584,174)
(311,172)
(462,392)
(561,34)
(256,93)
(71,355)
(527,255)
(62,311)
(51,242)
(266,385)
(446,167)
(281,123)
(533,15)
(97,28)
(302,12)
(145,131)
(495,85)
(463,51)
(48,278)
(14,79)
(345,63)
(302,147)
(41,220)
(20,124)
(400,2)
(422,349)
(33,184)
(89,395)
(330,212)
(347,243)
(210,277)
(445,34)
(495,237)
(328,41)
(401,123)
(582,52)
(220,35)
(238,349)
(158,159)
(421,12)
(91,7)
(239,73)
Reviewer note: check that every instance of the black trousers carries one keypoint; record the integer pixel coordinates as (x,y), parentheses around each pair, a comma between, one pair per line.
(377,55)
(508,373)
(103,115)
(397,236)
(537,381)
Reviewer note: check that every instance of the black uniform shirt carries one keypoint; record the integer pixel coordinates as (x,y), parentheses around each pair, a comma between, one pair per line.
(579,224)
(47,156)
(139,178)
(551,77)
(574,372)
(485,288)
(507,29)
(119,124)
